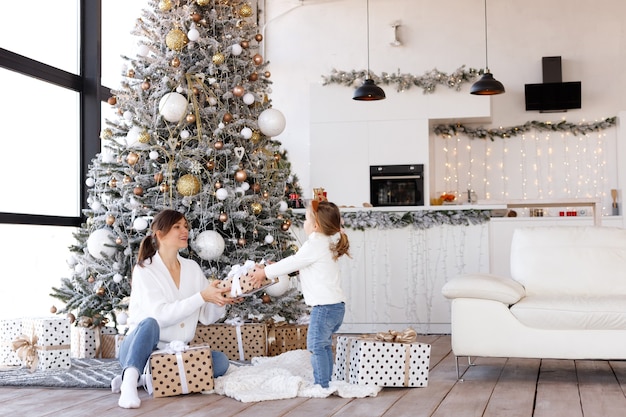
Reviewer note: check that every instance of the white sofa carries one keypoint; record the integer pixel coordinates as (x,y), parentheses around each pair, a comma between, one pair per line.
(565,299)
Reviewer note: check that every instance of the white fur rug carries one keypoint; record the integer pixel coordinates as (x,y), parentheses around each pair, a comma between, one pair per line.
(288,375)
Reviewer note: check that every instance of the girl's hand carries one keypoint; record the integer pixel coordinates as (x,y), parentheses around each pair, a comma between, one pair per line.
(257,275)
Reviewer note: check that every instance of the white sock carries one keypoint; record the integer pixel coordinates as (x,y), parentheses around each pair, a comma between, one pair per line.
(116,383)
(129,397)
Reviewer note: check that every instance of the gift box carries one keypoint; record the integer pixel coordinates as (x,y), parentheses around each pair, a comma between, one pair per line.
(118,342)
(367,361)
(240,284)
(93,342)
(180,370)
(239,341)
(9,330)
(286,337)
(46,342)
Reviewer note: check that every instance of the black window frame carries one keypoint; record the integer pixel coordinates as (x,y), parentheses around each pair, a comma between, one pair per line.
(91,93)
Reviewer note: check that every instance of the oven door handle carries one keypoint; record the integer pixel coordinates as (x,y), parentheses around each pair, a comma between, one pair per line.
(396,177)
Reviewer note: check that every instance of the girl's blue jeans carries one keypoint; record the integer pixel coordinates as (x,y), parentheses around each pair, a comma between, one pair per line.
(137,346)
(325,320)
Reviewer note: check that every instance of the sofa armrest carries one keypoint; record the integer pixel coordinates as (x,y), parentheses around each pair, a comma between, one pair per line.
(484,286)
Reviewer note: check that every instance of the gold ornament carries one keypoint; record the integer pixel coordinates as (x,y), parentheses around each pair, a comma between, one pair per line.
(203,2)
(165,5)
(256,137)
(258,37)
(145,85)
(53,309)
(127,179)
(241,175)
(132,158)
(245,10)
(241,241)
(71,318)
(110,220)
(218,185)
(138,191)
(113,183)
(112,100)
(190,118)
(257,59)
(210,165)
(144,137)
(131,73)
(238,91)
(253,77)
(218,145)
(176,40)
(266,299)
(285,226)
(175,62)
(106,134)
(257,208)
(227,118)
(164,188)
(158,177)
(119,241)
(244,44)
(267,74)
(223,217)
(196,17)
(100,292)
(218,58)
(188,185)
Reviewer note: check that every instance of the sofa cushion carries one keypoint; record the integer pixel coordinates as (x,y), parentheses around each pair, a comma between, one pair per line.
(485,286)
(572,312)
(570,260)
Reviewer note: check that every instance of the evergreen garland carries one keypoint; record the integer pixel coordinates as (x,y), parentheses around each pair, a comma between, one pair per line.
(577,129)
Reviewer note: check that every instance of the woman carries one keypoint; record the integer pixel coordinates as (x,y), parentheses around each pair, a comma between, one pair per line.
(169,296)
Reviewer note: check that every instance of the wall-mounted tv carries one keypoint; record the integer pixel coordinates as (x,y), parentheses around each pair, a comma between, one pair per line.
(553,97)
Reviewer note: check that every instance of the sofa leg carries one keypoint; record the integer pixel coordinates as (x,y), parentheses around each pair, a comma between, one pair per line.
(458,370)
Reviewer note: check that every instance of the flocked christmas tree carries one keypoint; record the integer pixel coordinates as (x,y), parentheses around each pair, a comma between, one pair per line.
(195,132)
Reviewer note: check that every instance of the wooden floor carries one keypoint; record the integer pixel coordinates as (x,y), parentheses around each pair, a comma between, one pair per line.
(495,387)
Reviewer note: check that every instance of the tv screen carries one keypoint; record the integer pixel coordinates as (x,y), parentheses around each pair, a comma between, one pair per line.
(553,96)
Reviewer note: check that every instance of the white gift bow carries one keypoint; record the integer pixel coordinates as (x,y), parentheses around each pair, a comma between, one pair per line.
(236,272)
(238,321)
(175,347)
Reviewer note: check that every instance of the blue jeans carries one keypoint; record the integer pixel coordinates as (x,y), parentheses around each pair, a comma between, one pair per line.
(137,346)
(325,320)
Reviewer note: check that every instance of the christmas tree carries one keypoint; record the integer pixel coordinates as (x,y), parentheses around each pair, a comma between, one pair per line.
(194,132)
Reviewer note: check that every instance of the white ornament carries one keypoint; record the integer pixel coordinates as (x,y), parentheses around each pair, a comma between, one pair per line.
(122,319)
(185,134)
(240,191)
(280,287)
(128,115)
(100,243)
(245,186)
(179,89)
(212,101)
(140,224)
(282,206)
(209,245)
(221,194)
(221,125)
(143,50)
(108,157)
(132,137)
(96,205)
(153,155)
(246,133)
(79,268)
(271,122)
(90,182)
(269,239)
(117,278)
(193,34)
(248,98)
(173,107)
(236,49)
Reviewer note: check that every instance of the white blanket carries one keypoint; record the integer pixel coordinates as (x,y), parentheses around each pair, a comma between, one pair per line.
(288,375)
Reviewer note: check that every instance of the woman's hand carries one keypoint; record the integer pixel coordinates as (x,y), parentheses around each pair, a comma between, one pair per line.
(257,275)
(219,296)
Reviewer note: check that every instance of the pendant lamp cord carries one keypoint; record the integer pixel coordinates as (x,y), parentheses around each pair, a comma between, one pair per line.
(368,38)
(486,48)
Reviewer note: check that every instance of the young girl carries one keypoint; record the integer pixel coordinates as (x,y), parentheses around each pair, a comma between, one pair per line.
(319,275)
(169,295)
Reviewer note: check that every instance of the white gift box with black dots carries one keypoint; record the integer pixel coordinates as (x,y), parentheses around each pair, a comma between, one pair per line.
(364,361)
(10,329)
(53,341)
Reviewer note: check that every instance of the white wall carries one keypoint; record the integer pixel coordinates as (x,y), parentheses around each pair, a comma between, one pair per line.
(305,40)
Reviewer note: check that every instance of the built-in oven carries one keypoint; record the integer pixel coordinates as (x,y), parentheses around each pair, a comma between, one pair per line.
(397,185)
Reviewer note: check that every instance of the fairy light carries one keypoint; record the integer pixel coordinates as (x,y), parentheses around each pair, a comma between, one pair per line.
(550,176)
(523,168)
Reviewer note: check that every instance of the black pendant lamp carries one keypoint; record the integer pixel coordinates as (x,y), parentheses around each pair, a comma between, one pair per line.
(369,91)
(487,85)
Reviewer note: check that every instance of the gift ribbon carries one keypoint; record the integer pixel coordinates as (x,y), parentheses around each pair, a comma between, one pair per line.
(96,324)
(238,322)
(407,336)
(236,272)
(175,347)
(26,349)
